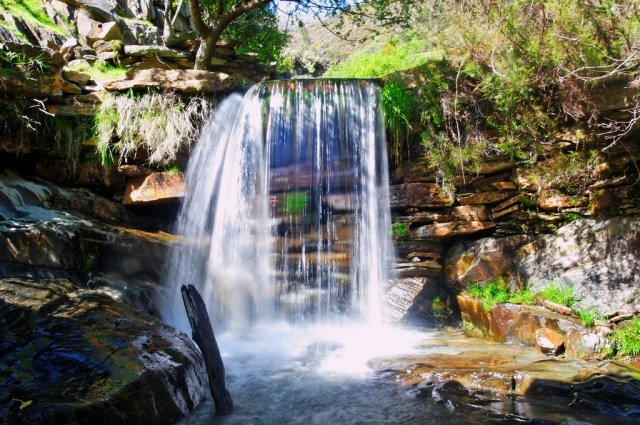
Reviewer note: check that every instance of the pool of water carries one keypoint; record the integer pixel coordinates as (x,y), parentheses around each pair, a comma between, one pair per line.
(279,374)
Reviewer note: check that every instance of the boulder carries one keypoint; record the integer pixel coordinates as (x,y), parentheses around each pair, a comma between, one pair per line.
(185,81)
(99,361)
(106,32)
(419,195)
(77,77)
(598,259)
(484,260)
(521,323)
(549,341)
(154,187)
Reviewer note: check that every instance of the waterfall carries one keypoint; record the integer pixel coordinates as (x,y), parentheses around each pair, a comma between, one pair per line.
(287,211)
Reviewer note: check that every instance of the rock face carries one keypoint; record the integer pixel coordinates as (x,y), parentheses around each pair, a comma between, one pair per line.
(180,80)
(419,194)
(52,232)
(484,260)
(73,355)
(599,260)
(154,187)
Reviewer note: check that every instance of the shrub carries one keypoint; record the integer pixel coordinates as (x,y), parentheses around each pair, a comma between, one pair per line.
(626,340)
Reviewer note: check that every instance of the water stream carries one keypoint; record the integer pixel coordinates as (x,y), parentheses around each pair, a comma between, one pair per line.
(287,237)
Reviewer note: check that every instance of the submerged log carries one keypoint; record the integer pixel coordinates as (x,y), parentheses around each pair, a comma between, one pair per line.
(206,340)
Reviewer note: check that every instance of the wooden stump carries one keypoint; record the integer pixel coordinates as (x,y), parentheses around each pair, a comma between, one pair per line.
(206,340)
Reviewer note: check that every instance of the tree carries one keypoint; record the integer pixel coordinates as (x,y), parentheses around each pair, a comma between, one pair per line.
(212,17)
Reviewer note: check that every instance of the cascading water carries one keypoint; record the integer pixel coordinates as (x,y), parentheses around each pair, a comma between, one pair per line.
(287,213)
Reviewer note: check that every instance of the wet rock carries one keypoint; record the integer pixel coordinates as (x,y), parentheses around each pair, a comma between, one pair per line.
(598,259)
(154,187)
(45,229)
(491,375)
(484,260)
(184,81)
(549,341)
(419,195)
(100,361)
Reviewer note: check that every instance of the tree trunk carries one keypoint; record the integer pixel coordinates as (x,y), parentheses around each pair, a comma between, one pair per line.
(206,340)
(167,31)
(205,51)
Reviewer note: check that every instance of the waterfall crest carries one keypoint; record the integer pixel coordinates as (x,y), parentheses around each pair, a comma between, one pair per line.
(287,211)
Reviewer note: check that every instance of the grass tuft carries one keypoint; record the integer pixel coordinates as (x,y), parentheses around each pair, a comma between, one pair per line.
(161,122)
(626,340)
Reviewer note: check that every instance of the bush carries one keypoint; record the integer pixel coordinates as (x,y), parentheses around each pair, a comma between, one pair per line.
(626,340)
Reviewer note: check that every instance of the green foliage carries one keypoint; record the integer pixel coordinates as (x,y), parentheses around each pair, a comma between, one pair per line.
(21,62)
(400,230)
(258,32)
(626,340)
(173,170)
(102,71)
(398,104)
(32,11)
(393,56)
(439,309)
(498,291)
(294,203)
(588,317)
(557,294)
(163,123)
(491,293)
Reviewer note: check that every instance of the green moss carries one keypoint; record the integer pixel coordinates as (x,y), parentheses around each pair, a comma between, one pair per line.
(294,203)
(626,340)
(400,230)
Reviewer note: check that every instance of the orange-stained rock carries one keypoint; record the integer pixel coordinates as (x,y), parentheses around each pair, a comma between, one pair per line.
(154,187)
(456,228)
(519,323)
(549,341)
